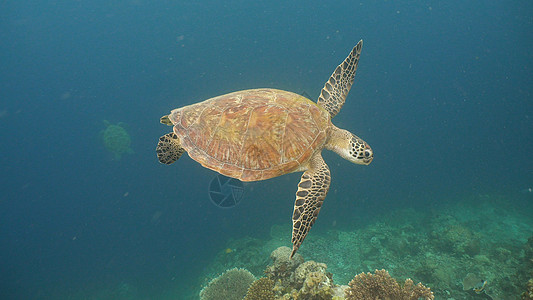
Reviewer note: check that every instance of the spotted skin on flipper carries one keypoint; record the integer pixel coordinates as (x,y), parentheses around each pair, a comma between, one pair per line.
(336,89)
(168,148)
(312,191)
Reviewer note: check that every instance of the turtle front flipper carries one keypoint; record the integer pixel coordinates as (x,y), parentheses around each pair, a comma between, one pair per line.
(336,89)
(312,190)
(169,148)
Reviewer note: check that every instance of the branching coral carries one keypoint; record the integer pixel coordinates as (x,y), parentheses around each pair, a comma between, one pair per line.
(261,289)
(231,285)
(381,285)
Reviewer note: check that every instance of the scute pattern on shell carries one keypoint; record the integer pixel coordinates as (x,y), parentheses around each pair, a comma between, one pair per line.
(253,134)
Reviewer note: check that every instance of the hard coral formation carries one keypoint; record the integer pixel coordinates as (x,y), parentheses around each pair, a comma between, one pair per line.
(261,289)
(381,285)
(282,266)
(230,285)
(301,273)
(317,286)
(528,294)
(296,279)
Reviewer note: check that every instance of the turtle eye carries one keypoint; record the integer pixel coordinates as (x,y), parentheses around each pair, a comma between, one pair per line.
(368,153)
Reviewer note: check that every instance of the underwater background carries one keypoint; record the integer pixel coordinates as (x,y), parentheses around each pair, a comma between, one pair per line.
(443,94)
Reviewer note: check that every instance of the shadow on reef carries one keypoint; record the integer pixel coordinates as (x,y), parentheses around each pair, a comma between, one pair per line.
(296,279)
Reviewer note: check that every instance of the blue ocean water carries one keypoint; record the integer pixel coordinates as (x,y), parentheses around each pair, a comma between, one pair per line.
(443,94)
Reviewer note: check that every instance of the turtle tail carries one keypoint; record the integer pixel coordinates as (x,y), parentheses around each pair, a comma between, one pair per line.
(169,148)
(165,120)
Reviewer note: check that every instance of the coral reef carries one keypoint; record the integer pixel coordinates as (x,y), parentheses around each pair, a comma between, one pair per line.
(317,285)
(298,279)
(230,285)
(457,239)
(528,257)
(303,270)
(381,285)
(261,289)
(282,266)
(528,294)
(426,246)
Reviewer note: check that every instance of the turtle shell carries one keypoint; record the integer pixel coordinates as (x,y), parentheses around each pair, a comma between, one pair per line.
(252,134)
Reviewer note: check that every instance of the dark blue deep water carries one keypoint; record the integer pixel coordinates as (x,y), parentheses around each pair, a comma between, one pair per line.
(443,94)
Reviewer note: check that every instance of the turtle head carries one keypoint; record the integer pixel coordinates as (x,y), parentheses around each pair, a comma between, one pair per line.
(359,151)
(350,147)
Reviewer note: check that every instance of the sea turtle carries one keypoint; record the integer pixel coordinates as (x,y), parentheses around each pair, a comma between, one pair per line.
(116,139)
(263,133)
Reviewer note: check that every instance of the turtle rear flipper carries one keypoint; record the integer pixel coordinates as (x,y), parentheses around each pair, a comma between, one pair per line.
(165,120)
(169,148)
